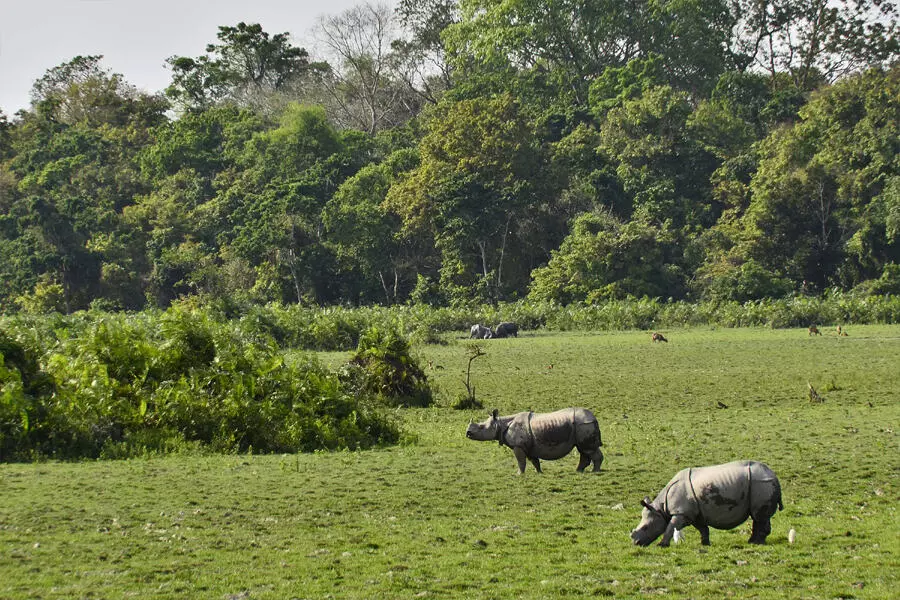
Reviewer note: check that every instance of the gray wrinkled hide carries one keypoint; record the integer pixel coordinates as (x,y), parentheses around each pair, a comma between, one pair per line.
(720,496)
(480,332)
(506,329)
(548,436)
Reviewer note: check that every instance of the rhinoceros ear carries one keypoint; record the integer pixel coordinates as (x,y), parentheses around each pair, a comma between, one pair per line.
(495,413)
(646,504)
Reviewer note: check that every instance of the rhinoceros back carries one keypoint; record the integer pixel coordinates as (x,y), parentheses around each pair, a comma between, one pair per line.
(555,434)
(729,493)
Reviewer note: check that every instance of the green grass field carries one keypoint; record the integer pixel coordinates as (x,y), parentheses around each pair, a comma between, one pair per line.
(445,517)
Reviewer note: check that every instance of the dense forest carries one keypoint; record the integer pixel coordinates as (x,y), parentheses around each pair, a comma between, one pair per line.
(474,151)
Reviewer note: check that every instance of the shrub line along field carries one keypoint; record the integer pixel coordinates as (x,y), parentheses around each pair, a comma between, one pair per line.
(445,517)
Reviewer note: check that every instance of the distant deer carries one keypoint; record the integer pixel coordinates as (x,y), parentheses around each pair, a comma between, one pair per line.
(813,394)
(813,330)
(841,332)
(657,337)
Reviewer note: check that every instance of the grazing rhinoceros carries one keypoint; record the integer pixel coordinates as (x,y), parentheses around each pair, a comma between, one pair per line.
(720,496)
(544,435)
(506,330)
(480,332)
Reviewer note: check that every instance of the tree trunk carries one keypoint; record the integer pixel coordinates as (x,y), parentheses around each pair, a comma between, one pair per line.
(502,252)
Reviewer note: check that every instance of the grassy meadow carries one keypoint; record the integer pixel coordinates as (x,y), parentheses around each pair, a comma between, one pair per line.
(440,516)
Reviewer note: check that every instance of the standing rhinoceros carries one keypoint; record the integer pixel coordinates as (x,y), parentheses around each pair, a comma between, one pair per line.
(544,435)
(506,329)
(720,496)
(480,332)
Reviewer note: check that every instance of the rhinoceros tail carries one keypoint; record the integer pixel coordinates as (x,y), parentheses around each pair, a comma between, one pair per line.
(778,494)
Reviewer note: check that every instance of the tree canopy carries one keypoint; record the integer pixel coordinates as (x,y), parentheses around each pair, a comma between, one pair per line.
(480,150)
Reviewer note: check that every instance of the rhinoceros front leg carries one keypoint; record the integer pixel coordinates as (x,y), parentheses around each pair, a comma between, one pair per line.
(703,528)
(520,458)
(676,522)
(537,464)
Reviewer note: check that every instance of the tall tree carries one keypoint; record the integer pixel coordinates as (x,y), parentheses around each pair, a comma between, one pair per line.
(813,40)
(248,67)
(376,263)
(82,90)
(469,193)
(663,170)
(5,140)
(366,87)
(273,206)
(577,40)
(75,159)
(429,73)
(825,189)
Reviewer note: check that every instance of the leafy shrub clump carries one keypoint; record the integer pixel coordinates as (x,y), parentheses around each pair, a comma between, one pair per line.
(22,382)
(118,385)
(382,365)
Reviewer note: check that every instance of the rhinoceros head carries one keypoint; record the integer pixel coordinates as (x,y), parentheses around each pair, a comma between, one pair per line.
(484,431)
(653,524)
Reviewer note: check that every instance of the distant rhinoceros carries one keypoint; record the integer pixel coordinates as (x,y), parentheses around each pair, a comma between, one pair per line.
(480,332)
(720,496)
(547,436)
(506,330)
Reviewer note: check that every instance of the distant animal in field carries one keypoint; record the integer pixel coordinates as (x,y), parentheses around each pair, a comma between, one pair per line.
(840,331)
(480,332)
(548,436)
(813,394)
(719,496)
(658,337)
(506,329)
(813,330)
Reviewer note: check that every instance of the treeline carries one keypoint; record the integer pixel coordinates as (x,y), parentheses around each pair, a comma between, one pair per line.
(480,151)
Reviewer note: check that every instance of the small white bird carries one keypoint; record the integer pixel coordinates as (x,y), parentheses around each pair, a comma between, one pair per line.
(678,536)
(792,535)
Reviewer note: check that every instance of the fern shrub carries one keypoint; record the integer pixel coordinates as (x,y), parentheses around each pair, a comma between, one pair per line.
(112,384)
(383,366)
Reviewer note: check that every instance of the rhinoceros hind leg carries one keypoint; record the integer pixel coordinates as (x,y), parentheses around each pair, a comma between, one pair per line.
(537,464)
(583,462)
(762,527)
(597,459)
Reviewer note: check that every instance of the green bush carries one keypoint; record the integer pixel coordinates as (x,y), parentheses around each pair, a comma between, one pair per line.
(383,366)
(115,385)
(22,384)
(748,281)
(888,283)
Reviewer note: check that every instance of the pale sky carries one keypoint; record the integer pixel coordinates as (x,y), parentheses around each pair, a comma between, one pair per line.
(135,37)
